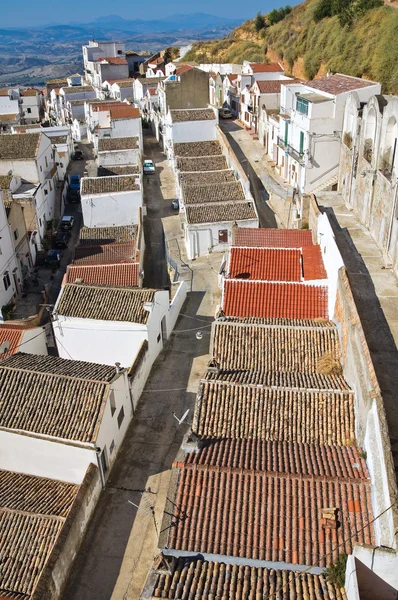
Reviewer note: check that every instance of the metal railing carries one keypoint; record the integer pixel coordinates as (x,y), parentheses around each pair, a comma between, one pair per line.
(297,156)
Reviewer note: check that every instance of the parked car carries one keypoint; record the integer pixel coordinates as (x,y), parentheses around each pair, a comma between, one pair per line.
(62,239)
(74,182)
(175,204)
(78,155)
(53,258)
(67,223)
(225,113)
(149,167)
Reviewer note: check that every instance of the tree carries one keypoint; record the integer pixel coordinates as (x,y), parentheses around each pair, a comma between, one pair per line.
(259,22)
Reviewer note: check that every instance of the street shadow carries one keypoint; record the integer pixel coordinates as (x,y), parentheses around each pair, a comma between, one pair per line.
(232,126)
(149,448)
(382,346)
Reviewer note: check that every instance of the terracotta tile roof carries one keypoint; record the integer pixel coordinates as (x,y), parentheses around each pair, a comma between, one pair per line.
(183,69)
(4,91)
(105,254)
(29,92)
(113,60)
(58,139)
(197,579)
(273,86)
(126,143)
(339,84)
(307,460)
(207,177)
(124,275)
(124,111)
(203,163)
(37,495)
(125,83)
(150,80)
(109,171)
(93,236)
(10,338)
(226,212)
(272,300)
(190,149)
(61,366)
(50,404)
(152,91)
(9,117)
(235,410)
(232,77)
(273,238)
(85,301)
(313,266)
(193,114)
(108,185)
(264,264)
(213,192)
(267,68)
(5,181)
(240,346)
(77,89)
(312,381)
(22,146)
(269,517)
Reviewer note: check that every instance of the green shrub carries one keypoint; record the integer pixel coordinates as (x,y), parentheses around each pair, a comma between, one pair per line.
(335,574)
(259,22)
(278,14)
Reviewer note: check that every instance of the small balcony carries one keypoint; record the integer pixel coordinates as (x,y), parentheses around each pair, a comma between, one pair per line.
(250,109)
(297,156)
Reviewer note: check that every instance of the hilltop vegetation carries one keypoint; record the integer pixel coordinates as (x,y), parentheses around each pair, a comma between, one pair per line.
(357,37)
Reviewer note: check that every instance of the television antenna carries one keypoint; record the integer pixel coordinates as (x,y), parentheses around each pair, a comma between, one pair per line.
(183,418)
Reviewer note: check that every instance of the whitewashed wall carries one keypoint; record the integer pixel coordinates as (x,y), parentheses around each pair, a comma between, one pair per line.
(119,157)
(331,257)
(108,210)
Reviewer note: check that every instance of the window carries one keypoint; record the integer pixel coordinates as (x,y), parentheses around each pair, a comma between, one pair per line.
(112,446)
(223,236)
(40,222)
(286,132)
(51,187)
(46,162)
(16,234)
(120,417)
(301,142)
(6,280)
(28,110)
(112,403)
(302,106)
(159,338)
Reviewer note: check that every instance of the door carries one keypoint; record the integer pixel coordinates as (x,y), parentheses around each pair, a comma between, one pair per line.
(16,283)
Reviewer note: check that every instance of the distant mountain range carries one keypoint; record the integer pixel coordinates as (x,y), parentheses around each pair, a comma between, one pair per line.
(30,56)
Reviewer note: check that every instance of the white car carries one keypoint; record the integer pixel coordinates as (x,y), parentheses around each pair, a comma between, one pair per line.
(149,167)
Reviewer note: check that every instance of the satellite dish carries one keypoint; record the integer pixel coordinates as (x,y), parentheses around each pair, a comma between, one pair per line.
(184,416)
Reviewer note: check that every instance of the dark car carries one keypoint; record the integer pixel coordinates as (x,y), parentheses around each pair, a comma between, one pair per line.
(78,155)
(66,223)
(73,196)
(53,258)
(62,239)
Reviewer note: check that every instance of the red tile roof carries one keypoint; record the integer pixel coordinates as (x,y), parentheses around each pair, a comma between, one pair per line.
(124,275)
(152,91)
(264,264)
(266,516)
(113,60)
(339,84)
(124,111)
(274,300)
(10,338)
(105,254)
(274,86)
(267,68)
(313,266)
(309,460)
(272,238)
(183,69)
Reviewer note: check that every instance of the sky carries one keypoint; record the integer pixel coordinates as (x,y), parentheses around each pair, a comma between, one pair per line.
(41,12)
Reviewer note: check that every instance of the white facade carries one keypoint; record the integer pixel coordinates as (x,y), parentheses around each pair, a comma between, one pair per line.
(111,209)
(32,105)
(96,50)
(108,158)
(10,270)
(190,131)
(108,342)
(222,68)
(203,238)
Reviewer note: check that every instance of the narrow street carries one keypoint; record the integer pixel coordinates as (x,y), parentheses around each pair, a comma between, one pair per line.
(121,541)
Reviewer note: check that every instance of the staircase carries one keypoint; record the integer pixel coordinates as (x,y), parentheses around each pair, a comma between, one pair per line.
(326,185)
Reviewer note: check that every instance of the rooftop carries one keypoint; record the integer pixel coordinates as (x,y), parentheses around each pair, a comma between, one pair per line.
(105,303)
(203,163)
(92,236)
(21,146)
(273,86)
(107,253)
(272,238)
(48,402)
(249,411)
(212,192)
(126,143)
(339,84)
(274,300)
(113,60)
(150,80)
(243,346)
(270,517)
(77,89)
(124,111)
(220,212)
(10,339)
(313,265)
(267,68)
(5,181)
(110,275)
(125,83)
(58,139)
(264,264)
(206,177)
(189,149)
(193,114)
(109,171)
(195,578)
(108,185)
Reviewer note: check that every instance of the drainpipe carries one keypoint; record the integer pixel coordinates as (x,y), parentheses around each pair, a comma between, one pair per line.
(101,470)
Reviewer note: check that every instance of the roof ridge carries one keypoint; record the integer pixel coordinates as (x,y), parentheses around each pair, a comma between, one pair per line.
(27,513)
(45,373)
(281,388)
(276,326)
(112,287)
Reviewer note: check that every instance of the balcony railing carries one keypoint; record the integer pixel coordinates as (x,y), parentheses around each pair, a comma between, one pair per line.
(298,156)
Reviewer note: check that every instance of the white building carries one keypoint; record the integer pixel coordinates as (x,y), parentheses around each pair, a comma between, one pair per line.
(110,201)
(109,324)
(81,414)
(120,90)
(119,120)
(10,108)
(32,105)
(231,94)
(252,72)
(190,125)
(70,94)
(29,157)
(10,268)
(32,340)
(119,151)
(99,59)
(142,84)
(310,126)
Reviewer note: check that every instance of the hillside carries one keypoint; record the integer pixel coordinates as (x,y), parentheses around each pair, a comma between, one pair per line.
(365,47)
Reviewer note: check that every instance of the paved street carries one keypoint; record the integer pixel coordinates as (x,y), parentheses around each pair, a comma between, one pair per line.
(121,542)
